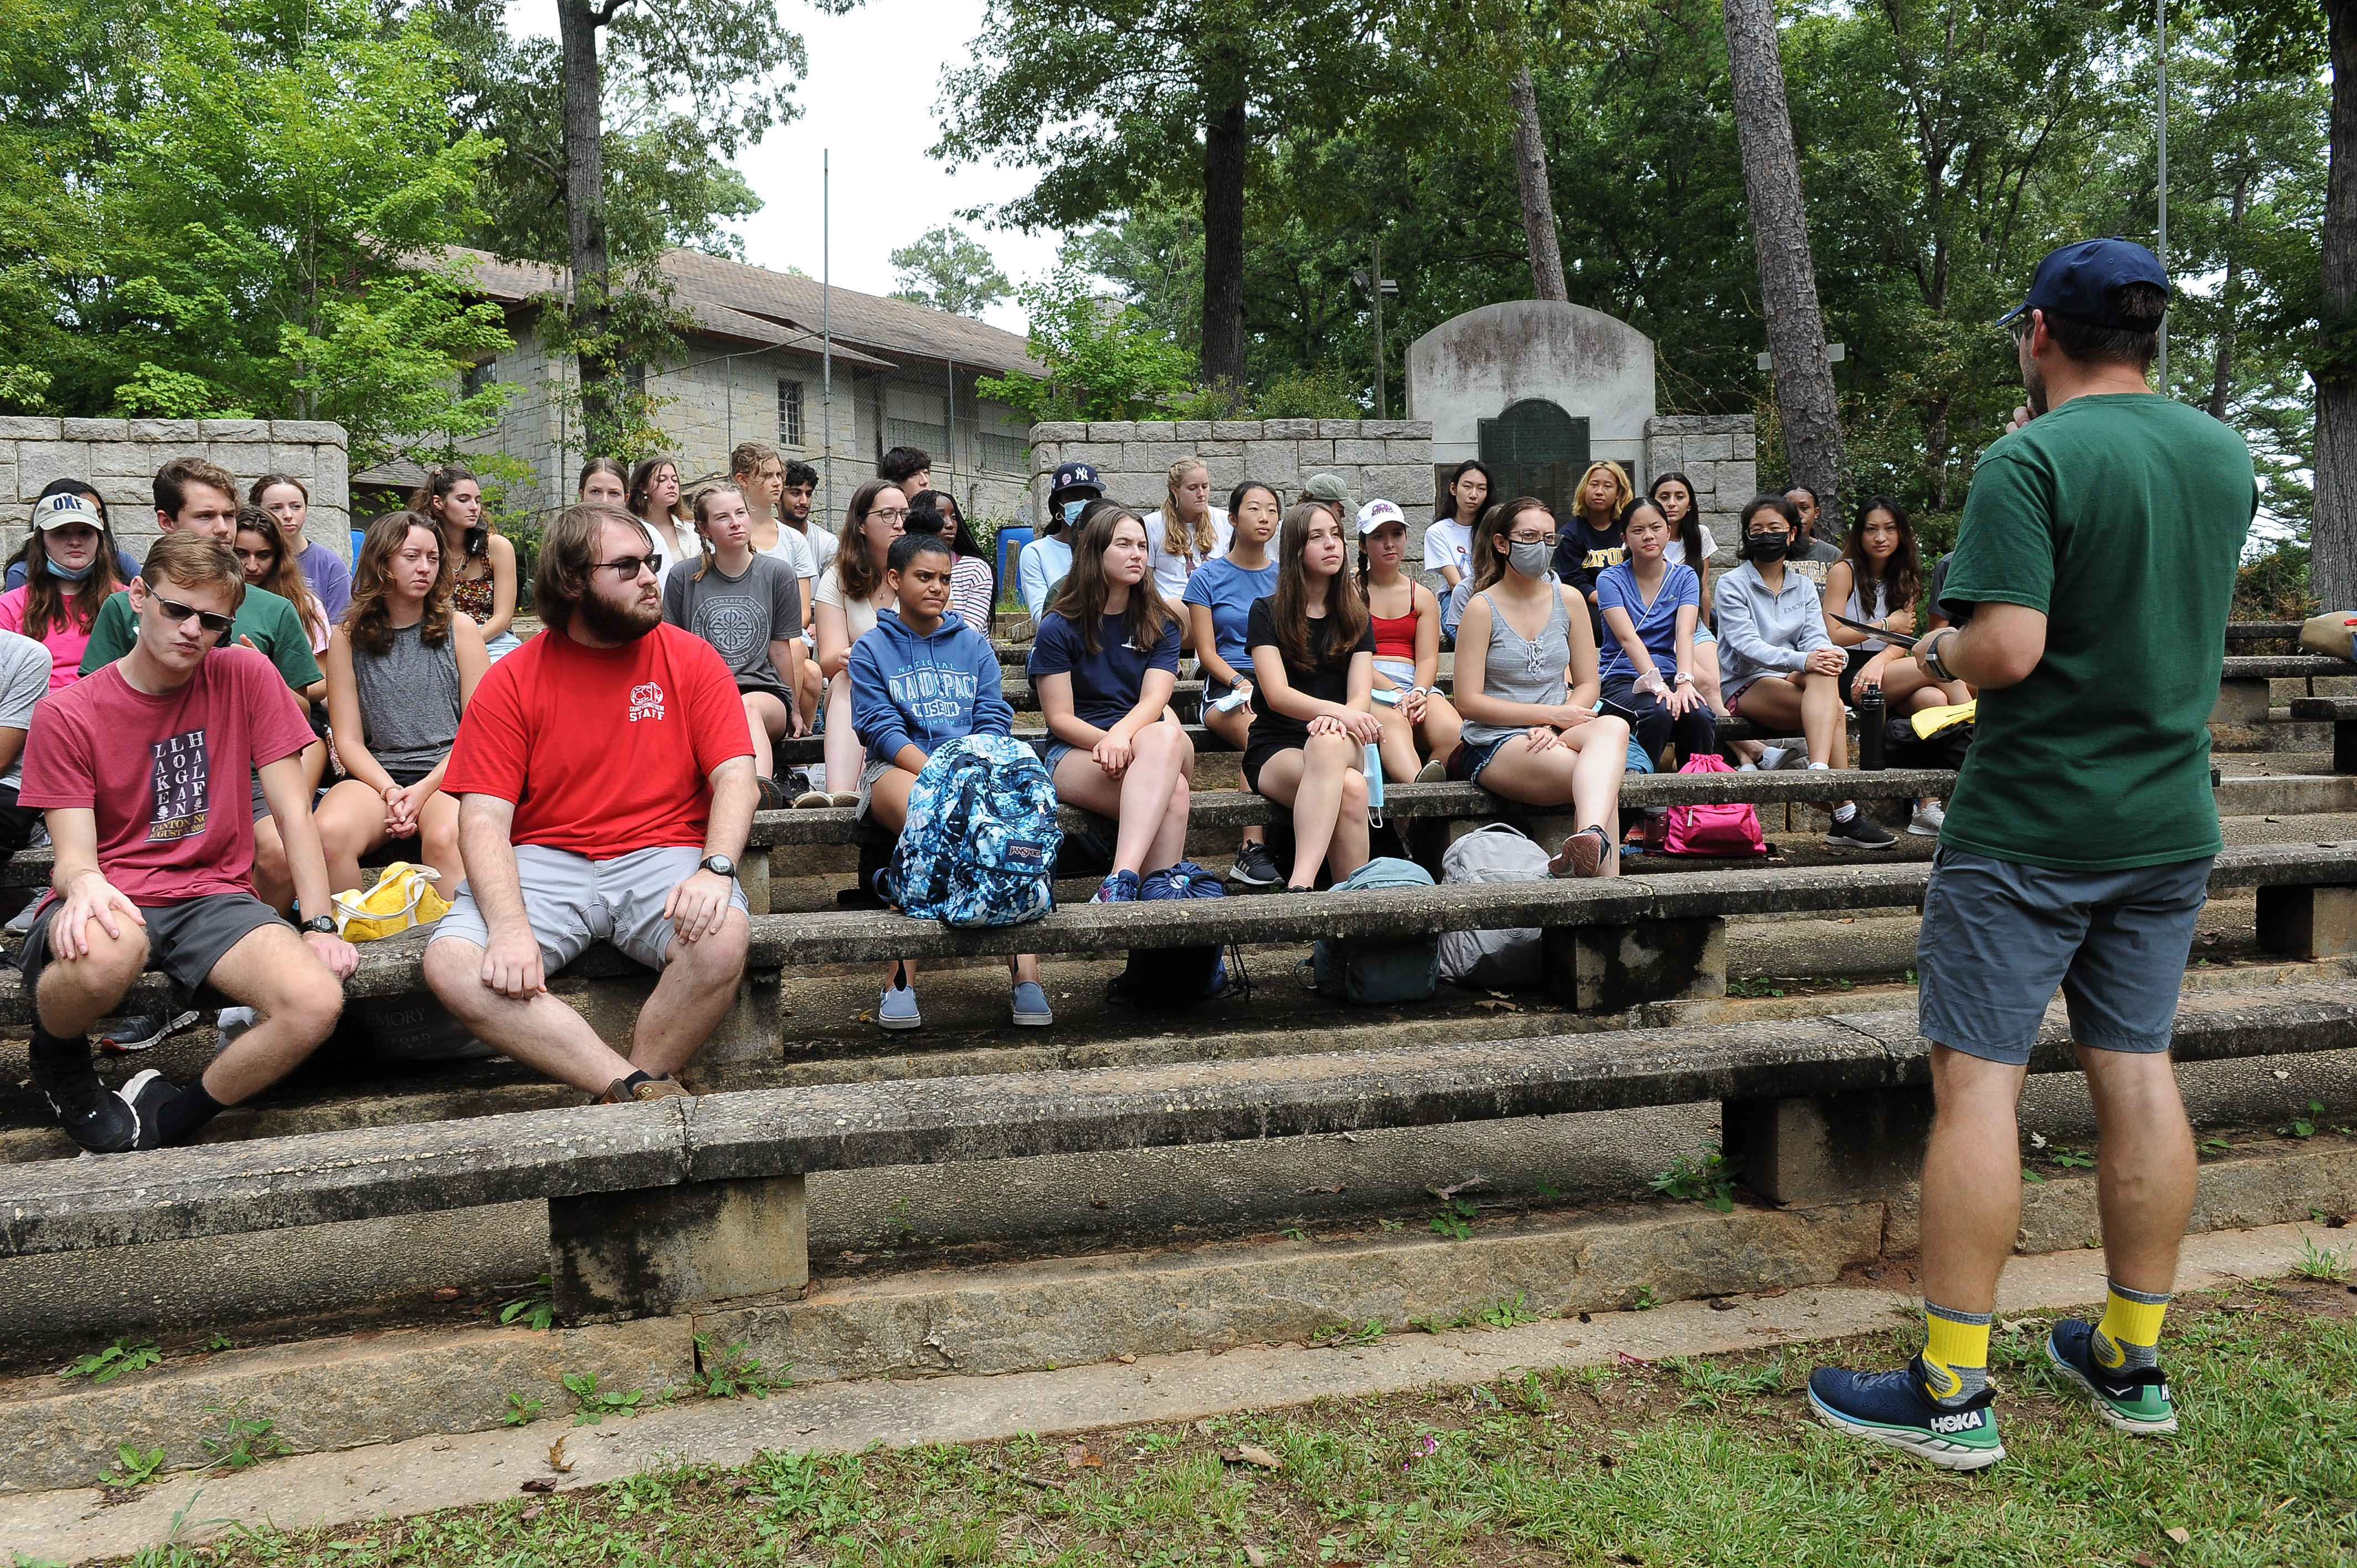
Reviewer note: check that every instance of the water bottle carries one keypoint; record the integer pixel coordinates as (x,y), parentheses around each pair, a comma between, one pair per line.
(1869,729)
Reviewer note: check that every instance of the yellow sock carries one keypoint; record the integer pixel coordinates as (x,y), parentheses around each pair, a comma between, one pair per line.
(1955,1352)
(2130,1332)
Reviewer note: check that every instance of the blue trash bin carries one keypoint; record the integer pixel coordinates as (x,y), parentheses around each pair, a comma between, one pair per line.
(1011,541)
(359,536)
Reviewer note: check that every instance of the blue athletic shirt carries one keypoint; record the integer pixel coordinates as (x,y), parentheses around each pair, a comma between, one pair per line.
(1657,626)
(1106,683)
(1228,591)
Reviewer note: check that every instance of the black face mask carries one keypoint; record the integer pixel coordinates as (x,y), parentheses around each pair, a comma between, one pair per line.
(1769,546)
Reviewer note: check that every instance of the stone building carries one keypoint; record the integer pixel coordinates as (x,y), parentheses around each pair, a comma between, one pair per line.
(904,375)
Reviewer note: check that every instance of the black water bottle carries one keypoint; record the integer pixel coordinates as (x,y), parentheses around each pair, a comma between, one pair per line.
(1869,729)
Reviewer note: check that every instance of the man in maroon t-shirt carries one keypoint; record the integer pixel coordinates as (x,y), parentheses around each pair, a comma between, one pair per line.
(143,767)
(604,783)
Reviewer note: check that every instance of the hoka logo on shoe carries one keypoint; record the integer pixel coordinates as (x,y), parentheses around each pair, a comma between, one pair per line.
(1963,1421)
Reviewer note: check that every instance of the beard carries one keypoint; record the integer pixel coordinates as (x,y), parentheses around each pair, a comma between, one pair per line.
(2033,385)
(609,621)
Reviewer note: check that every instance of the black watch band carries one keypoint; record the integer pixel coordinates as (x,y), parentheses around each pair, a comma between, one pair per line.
(323,924)
(719,866)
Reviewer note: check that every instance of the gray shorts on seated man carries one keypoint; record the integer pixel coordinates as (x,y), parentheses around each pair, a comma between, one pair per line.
(574,902)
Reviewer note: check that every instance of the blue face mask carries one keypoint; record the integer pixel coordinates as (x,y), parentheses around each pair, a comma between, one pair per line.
(1073,510)
(71,576)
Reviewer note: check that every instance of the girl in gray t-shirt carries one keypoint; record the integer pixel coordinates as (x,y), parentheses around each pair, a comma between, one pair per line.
(749,606)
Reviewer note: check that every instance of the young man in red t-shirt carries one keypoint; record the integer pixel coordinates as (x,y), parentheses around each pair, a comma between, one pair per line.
(605,784)
(144,769)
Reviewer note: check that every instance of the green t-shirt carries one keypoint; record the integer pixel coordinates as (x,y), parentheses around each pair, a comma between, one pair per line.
(274,624)
(2122,516)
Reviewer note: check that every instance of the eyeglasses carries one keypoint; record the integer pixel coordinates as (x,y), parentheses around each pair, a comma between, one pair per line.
(177,613)
(891,514)
(629,566)
(1532,538)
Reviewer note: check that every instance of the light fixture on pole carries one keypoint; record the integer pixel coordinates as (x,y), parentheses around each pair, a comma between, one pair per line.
(1834,354)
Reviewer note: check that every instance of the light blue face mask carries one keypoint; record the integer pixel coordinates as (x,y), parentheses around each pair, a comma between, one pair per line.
(1073,510)
(71,576)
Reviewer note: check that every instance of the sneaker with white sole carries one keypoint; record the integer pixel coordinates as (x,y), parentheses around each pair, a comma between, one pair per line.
(1860,831)
(143,1030)
(233,1023)
(1254,866)
(896,1009)
(1433,772)
(1891,1409)
(1029,1003)
(1929,819)
(2134,1399)
(146,1095)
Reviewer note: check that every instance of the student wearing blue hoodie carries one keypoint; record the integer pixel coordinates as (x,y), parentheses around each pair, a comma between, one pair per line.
(922,677)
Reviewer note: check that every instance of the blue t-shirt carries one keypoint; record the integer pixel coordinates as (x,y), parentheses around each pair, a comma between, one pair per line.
(1104,683)
(1228,591)
(1657,624)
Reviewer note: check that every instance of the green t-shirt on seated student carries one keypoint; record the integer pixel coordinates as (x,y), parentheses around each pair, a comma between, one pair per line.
(275,626)
(2122,516)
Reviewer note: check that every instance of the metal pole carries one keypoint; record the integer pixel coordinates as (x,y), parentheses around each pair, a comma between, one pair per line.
(826,319)
(2160,54)
(1376,287)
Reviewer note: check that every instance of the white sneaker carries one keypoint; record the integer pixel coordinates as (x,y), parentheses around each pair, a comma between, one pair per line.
(233,1022)
(1927,819)
(1771,757)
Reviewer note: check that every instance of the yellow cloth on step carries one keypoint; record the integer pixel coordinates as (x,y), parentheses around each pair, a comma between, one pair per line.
(403,897)
(1931,721)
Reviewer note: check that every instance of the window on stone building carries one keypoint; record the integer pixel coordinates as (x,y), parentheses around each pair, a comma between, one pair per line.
(920,420)
(480,374)
(790,413)
(1001,454)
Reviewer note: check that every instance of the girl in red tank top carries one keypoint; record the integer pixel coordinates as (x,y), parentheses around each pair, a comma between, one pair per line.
(1421,728)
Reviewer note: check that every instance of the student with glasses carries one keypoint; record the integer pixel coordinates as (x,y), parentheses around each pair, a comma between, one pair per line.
(605,786)
(1527,684)
(142,769)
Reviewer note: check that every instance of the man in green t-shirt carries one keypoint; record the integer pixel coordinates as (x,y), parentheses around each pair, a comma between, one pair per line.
(2089,590)
(197,496)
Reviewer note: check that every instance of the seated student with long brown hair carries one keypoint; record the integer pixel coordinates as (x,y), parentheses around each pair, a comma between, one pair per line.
(1879,579)
(401,670)
(1218,604)
(1418,722)
(1313,655)
(1527,684)
(263,555)
(453,497)
(1104,663)
(850,592)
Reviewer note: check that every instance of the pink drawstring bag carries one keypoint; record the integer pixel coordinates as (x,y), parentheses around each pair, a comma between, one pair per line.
(1729,829)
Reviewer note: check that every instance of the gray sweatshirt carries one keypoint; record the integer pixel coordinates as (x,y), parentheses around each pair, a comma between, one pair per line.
(1761,633)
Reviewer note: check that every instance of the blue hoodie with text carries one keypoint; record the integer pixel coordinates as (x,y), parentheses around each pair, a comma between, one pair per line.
(908,689)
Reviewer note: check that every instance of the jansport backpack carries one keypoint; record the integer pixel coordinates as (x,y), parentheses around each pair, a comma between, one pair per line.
(980,845)
(1173,977)
(1730,828)
(1376,972)
(1497,961)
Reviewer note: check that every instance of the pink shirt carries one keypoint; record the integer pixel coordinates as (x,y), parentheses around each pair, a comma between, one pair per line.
(64,643)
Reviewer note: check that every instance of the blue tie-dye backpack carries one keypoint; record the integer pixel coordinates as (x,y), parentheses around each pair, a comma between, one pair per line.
(981,841)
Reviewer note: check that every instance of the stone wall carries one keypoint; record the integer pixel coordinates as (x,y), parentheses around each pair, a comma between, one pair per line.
(1386,457)
(1719,451)
(119,458)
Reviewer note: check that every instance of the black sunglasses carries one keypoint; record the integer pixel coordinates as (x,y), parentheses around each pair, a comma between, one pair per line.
(629,566)
(176,612)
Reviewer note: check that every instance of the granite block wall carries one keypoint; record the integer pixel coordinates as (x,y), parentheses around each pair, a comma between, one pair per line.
(1719,451)
(119,458)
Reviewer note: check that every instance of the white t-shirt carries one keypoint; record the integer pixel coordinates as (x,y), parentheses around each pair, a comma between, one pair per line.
(1675,552)
(1448,542)
(794,550)
(1172,571)
(859,615)
(823,544)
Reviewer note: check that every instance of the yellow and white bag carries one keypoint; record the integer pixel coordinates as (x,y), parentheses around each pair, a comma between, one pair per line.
(403,897)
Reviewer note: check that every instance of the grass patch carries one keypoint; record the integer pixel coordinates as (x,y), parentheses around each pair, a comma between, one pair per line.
(1688,1462)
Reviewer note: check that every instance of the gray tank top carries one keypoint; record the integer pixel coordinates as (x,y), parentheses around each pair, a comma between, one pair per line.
(1523,670)
(409,703)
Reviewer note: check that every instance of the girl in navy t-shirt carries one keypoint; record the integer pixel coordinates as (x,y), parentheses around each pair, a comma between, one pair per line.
(1218,603)
(1313,647)
(1103,664)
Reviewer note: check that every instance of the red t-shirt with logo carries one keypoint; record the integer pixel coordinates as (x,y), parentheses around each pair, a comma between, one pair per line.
(605,751)
(166,777)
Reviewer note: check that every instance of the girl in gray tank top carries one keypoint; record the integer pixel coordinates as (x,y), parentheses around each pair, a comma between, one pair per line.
(1531,733)
(401,669)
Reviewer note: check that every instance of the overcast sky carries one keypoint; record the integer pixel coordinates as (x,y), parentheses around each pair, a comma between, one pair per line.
(873,77)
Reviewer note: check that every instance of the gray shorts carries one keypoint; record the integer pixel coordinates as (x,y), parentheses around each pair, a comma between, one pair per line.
(870,771)
(572,901)
(1999,937)
(184,940)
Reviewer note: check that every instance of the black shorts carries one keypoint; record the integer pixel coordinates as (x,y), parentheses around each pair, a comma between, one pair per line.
(1858,660)
(184,940)
(17,823)
(1259,754)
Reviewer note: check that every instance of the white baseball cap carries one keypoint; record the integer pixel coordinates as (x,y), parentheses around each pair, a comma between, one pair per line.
(1376,514)
(65,510)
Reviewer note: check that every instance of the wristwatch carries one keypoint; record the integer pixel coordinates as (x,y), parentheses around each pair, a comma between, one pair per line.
(321,925)
(719,866)
(1933,659)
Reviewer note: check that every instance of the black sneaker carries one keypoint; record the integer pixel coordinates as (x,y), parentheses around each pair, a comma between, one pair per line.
(140,1031)
(1858,833)
(96,1119)
(773,799)
(1254,866)
(146,1095)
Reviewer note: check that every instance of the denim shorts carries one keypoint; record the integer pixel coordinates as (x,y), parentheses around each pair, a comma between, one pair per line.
(1478,755)
(1999,937)
(1057,751)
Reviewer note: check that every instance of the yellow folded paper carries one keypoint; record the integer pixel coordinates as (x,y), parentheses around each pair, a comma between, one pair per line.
(402,896)
(1931,721)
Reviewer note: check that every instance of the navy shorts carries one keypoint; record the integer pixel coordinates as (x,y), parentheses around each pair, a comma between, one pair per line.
(1999,937)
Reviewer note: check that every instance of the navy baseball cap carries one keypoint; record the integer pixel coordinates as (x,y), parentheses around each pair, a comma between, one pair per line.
(1075,476)
(2078,282)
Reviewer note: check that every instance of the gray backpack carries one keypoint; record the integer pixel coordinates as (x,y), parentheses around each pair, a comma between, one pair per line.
(1493,961)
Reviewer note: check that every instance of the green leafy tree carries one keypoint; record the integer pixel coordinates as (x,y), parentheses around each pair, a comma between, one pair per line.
(948,270)
(1103,358)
